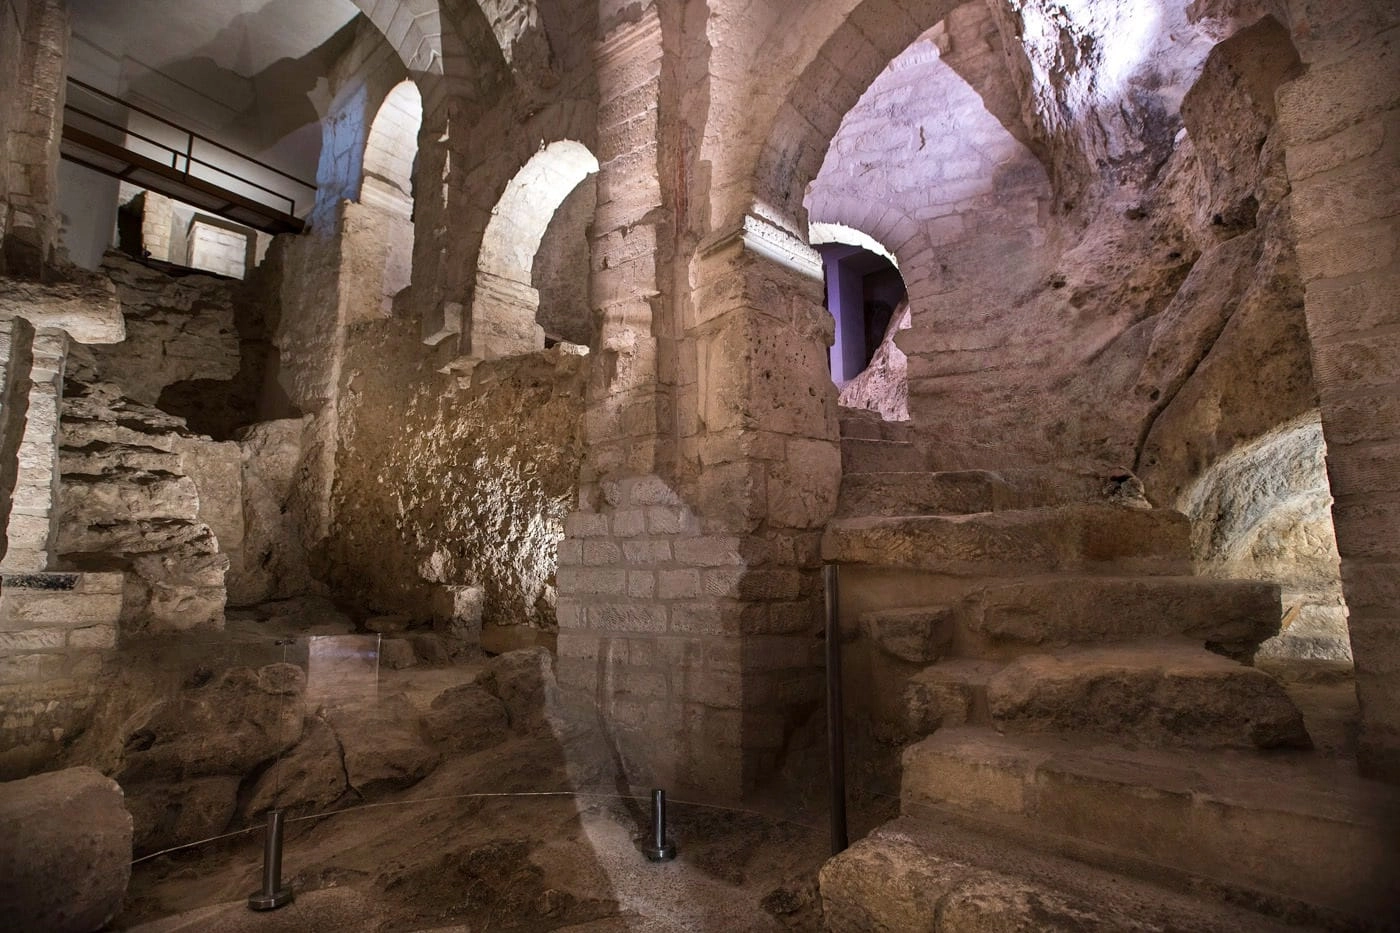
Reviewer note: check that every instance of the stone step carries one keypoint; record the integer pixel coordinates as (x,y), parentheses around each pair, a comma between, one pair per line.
(955,493)
(870,425)
(862,455)
(1235,614)
(920,636)
(952,693)
(1152,693)
(1087,537)
(1284,826)
(912,877)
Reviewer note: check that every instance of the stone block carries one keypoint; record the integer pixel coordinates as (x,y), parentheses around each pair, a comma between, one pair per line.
(457,613)
(677,584)
(592,581)
(1165,695)
(708,551)
(628,617)
(586,525)
(28,608)
(629,523)
(601,553)
(647,552)
(920,636)
(66,860)
(1068,609)
(1258,823)
(641,584)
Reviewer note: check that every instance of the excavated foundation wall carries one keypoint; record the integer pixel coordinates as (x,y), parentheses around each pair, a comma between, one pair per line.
(442,481)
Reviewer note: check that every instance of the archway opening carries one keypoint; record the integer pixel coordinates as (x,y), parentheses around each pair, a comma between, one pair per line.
(506,303)
(391,151)
(869,305)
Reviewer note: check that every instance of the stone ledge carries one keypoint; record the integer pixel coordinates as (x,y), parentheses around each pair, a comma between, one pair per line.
(57,610)
(87,308)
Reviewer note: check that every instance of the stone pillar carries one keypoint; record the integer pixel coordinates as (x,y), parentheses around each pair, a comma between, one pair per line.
(622,421)
(630,586)
(1342,125)
(759,425)
(689,612)
(30,528)
(33,59)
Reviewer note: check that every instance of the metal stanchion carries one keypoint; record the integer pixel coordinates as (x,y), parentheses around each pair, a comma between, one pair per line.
(835,712)
(273,895)
(661,849)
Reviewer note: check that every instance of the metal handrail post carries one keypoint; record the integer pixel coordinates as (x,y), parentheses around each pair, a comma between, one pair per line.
(835,711)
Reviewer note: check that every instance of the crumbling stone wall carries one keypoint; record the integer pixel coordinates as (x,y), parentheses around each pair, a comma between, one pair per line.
(165,458)
(448,482)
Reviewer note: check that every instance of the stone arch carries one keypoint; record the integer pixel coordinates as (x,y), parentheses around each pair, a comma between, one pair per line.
(447,46)
(391,149)
(415,29)
(871,37)
(505,302)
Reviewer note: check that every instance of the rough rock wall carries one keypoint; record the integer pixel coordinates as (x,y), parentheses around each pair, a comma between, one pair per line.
(177,329)
(196,345)
(1264,512)
(1154,327)
(439,483)
(127,503)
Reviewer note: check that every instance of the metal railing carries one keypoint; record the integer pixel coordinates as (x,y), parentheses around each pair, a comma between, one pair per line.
(103,123)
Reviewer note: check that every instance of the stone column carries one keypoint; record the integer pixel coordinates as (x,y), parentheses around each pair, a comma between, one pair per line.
(614,658)
(1342,125)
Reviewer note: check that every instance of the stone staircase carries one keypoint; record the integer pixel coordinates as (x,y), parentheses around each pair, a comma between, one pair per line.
(1071,699)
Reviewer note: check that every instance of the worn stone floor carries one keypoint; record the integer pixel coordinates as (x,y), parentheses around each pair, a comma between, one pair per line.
(431,859)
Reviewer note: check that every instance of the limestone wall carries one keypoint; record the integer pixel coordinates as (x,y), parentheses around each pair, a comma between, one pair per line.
(444,483)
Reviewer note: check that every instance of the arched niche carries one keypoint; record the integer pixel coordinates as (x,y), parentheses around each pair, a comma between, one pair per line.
(505,303)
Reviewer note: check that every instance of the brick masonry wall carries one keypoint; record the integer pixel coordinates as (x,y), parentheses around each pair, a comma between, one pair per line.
(55,630)
(697,652)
